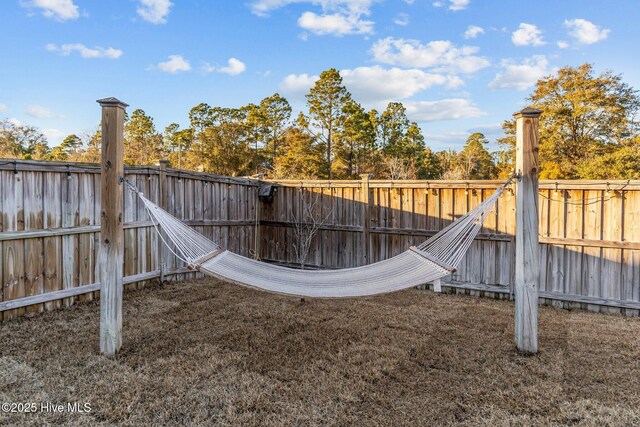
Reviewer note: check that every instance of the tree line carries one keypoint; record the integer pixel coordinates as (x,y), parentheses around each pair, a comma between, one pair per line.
(588,130)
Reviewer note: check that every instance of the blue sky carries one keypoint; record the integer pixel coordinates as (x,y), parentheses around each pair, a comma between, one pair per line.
(458,65)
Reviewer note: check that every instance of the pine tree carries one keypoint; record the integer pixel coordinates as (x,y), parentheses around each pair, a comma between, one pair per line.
(355,143)
(474,160)
(142,144)
(326,101)
(300,156)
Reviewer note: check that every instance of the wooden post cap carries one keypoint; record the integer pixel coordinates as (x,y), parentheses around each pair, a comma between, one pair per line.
(528,112)
(112,102)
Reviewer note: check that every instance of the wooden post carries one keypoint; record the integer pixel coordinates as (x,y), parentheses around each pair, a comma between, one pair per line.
(111,248)
(527,257)
(437,285)
(367,200)
(163,252)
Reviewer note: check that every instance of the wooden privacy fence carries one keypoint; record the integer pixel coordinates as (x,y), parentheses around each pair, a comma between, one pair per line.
(50,224)
(589,233)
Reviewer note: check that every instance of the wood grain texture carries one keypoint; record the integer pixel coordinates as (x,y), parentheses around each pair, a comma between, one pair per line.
(111,252)
(527,268)
(572,254)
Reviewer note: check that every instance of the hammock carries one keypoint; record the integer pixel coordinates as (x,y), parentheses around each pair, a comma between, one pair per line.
(437,257)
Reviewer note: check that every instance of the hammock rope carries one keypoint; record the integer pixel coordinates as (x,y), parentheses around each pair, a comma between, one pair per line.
(433,259)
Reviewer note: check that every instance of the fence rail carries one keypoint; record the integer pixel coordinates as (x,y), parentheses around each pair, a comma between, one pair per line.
(50,228)
(50,223)
(589,233)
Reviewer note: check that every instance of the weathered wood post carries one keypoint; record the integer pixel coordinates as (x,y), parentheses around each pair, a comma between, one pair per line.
(367,201)
(527,257)
(163,252)
(111,249)
(437,285)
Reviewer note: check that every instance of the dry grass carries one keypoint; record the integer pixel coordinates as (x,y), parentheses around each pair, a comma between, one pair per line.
(205,352)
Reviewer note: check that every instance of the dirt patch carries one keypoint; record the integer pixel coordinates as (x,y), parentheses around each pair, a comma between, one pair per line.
(206,352)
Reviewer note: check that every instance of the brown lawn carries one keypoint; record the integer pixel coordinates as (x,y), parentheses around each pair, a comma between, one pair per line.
(206,352)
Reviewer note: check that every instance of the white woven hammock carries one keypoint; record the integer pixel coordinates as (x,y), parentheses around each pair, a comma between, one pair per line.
(433,259)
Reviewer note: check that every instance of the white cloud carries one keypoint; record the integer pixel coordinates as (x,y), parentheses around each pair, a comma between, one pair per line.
(264,7)
(458,4)
(54,136)
(336,24)
(154,11)
(174,64)
(527,35)
(454,5)
(40,112)
(473,31)
(297,85)
(377,84)
(402,19)
(14,121)
(61,10)
(85,52)
(520,76)
(3,108)
(338,17)
(562,44)
(440,55)
(374,86)
(488,129)
(409,2)
(208,68)
(444,109)
(234,67)
(585,32)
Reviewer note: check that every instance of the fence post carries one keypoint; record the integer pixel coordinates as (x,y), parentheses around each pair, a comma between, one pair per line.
(527,256)
(367,200)
(111,250)
(163,252)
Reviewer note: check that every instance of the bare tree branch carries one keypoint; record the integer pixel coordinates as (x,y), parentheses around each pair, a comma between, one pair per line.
(306,224)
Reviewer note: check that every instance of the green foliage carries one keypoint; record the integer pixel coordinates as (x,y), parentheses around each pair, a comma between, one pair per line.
(18,141)
(142,144)
(474,161)
(431,167)
(326,101)
(355,143)
(448,161)
(92,152)
(586,119)
(588,130)
(300,158)
(269,120)
(39,151)
(58,154)
(402,143)
(623,163)
(220,140)
(72,144)
(393,125)
(506,156)
(176,142)
(225,149)
(70,149)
